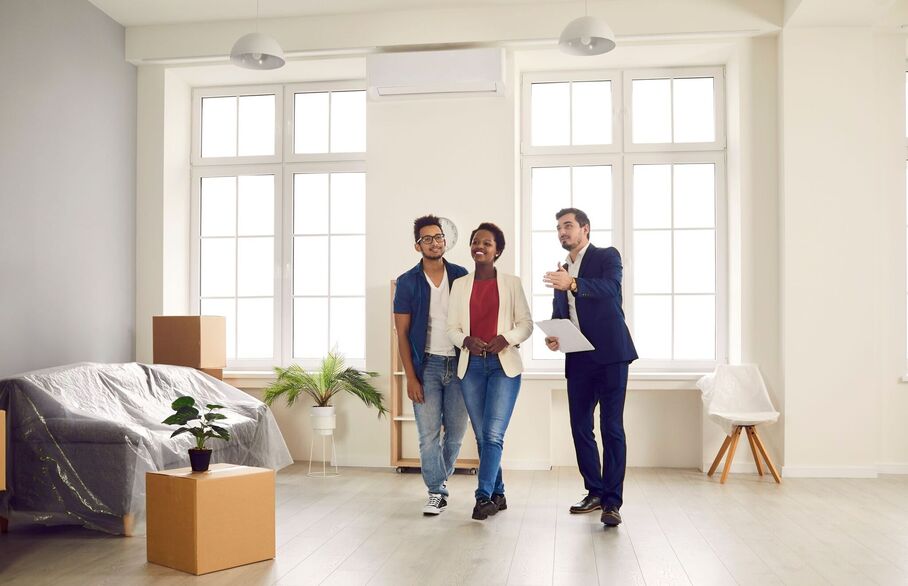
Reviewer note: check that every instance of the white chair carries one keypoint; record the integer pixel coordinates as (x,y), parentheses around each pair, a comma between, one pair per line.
(736,399)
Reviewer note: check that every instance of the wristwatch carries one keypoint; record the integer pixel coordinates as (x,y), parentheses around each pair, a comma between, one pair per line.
(574,286)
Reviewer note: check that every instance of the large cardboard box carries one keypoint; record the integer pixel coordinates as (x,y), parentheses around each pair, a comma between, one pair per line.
(2,450)
(201,522)
(199,341)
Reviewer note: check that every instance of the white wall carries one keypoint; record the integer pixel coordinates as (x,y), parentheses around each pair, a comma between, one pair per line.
(67,186)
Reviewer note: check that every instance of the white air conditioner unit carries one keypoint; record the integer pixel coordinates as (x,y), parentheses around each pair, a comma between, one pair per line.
(454,73)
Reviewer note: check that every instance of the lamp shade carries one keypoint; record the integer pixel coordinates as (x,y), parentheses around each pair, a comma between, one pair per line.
(587,36)
(257,51)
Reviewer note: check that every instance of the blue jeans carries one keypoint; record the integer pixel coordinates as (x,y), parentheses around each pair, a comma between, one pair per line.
(443,407)
(490,396)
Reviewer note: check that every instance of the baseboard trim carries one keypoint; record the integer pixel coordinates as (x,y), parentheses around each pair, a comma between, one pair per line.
(830,471)
(892,468)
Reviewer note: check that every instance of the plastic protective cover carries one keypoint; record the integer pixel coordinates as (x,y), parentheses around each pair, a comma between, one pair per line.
(82,437)
(735,395)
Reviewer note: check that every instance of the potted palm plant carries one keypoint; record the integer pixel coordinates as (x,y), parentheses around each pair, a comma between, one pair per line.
(186,412)
(332,377)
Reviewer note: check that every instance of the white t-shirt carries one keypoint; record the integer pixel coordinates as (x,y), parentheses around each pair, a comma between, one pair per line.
(573,270)
(437,341)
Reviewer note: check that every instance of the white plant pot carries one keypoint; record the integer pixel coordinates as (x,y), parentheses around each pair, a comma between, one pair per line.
(323,420)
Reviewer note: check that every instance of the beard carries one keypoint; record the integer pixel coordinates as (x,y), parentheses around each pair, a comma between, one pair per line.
(566,245)
(433,255)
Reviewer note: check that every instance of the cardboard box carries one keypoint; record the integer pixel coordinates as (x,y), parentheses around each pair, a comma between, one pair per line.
(2,450)
(201,522)
(199,341)
(217,373)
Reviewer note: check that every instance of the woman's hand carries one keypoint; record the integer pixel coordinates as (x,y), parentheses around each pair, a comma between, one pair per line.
(497,344)
(475,345)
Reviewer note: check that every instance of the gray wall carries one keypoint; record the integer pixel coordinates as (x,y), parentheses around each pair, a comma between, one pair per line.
(67,186)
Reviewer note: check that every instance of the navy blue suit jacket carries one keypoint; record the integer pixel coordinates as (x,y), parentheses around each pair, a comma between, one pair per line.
(599,312)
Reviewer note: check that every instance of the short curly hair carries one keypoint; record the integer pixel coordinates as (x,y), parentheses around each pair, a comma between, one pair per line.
(496,233)
(422,222)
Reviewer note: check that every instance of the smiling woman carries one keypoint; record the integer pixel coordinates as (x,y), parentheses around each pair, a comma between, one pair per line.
(489,317)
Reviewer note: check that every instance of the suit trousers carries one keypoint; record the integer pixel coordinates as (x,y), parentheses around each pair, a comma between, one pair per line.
(605,386)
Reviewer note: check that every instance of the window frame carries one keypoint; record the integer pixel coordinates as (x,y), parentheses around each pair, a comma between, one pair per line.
(198,94)
(527,148)
(197,174)
(287,296)
(625,155)
(289,135)
(717,73)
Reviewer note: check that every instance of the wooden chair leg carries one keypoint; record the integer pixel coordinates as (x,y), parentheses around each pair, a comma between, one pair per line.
(753,448)
(4,525)
(721,453)
(762,448)
(736,434)
(129,525)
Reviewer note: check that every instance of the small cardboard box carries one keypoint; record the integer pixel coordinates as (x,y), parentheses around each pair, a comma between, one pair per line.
(217,373)
(2,450)
(199,341)
(201,522)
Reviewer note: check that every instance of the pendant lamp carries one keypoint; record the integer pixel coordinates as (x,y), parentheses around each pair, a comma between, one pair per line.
(587,36)
(257,50)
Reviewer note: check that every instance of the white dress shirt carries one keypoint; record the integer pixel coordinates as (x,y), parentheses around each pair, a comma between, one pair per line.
(573,269)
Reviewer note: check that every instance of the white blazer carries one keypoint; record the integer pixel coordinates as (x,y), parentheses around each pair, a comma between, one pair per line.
(514,320)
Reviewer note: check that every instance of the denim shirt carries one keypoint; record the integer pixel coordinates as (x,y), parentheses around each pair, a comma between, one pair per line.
(412,297)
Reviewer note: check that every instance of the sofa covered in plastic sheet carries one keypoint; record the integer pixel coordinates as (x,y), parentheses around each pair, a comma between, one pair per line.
(82,437)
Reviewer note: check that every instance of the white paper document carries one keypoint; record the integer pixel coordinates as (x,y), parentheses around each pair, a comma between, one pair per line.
(570,339)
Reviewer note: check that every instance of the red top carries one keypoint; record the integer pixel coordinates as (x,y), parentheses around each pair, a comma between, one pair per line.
(484,309)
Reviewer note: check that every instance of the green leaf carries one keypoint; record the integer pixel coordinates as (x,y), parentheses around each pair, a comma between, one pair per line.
(213,406)
(182,402)
(180,431)
(214,416)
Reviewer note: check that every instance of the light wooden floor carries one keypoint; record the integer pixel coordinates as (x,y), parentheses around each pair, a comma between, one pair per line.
(679,528)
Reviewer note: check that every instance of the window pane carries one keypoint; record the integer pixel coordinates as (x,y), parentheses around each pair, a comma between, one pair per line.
(542,309)
(547,255)
(651,111)
(255,328)
(310,203)
(695,327)
(695,261)
(348,326)
(653,326)
(218,267)
(255,216)
(653,261)
(591,111)
(693,110)
(348,122)
(255,266)
(310,117)
(551,191)
(593,194)
(652,196)
(256,125)
(226,308)
(348,203)
(601,238)
(219,127)
(310,327)
(550,113)
(218,206)
(348,265)
(695,196)
(310,265)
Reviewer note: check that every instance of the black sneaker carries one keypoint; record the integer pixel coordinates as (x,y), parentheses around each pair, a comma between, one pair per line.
(500,501)
(435,505)
(484,507)
(610,517)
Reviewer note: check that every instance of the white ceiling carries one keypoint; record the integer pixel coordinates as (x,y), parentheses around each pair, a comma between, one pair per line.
(147,12)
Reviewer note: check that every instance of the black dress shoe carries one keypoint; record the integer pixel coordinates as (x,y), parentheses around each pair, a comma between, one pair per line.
(610,517)
(500,501)
(589,504)
(484,508)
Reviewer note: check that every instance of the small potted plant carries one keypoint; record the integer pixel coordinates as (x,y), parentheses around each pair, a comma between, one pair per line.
(186,413)
(331,378)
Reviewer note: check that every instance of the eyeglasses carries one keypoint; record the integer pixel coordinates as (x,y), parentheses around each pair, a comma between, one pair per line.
(439,238)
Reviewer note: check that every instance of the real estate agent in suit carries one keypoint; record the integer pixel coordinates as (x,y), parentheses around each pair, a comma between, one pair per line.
(588,292)
(489,317)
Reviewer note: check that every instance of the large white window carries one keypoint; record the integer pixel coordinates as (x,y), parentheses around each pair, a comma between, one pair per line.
(278,220)
(643,154)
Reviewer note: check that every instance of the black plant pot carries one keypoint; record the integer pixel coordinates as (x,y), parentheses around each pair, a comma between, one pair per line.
(199,459)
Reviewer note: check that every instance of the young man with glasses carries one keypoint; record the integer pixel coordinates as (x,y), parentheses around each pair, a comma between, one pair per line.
(430,359)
